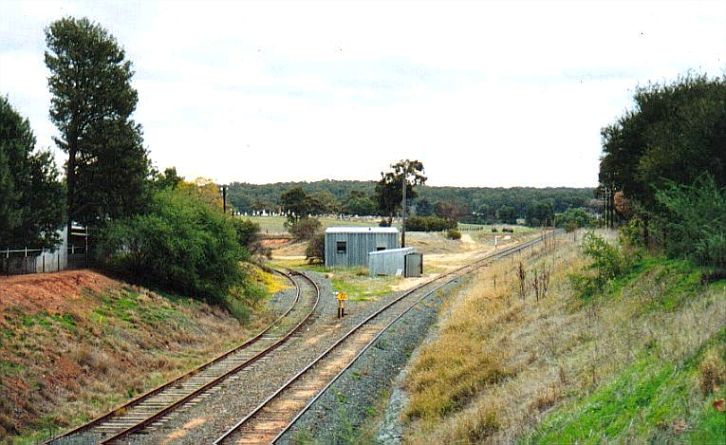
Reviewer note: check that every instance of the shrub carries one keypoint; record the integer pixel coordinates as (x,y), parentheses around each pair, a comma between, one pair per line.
(608,262)
(315,251)
(574,218)
(429,224)
(248,233)
(305,228)
(453,234)
(182,244)
(241,298)
(695,223)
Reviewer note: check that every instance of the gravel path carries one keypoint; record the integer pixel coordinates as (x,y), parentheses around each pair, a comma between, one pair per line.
(337,416)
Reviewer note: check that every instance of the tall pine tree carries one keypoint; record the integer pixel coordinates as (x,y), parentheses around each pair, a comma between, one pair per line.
(92,103)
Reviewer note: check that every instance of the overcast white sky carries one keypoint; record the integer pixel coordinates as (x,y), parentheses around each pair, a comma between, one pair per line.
(484,93)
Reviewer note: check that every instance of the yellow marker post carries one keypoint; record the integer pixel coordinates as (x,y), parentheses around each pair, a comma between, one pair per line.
(342,297)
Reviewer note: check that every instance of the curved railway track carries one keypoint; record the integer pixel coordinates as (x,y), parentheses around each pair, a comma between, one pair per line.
(150,407)
(279,412)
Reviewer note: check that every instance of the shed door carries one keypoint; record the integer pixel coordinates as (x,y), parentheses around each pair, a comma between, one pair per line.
(413,264)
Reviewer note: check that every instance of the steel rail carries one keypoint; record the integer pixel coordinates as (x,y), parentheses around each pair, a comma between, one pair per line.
(459,272)
(368,345)
(119,410)
(171,407)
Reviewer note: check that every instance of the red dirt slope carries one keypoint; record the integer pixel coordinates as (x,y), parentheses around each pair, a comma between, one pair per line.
(52,292)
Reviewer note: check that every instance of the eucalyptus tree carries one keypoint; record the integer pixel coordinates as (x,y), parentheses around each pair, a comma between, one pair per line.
(389,189)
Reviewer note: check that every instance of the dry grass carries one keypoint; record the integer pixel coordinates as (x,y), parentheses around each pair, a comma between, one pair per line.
(712,372)
(500,364)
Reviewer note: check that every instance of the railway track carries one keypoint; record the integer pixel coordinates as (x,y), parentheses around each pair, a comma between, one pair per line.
(151,407)
(279,412)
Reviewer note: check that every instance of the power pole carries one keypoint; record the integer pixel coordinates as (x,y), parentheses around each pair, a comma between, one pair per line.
(224,199)
(403,213)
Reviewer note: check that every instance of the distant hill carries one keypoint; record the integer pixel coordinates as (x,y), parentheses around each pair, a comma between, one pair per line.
(247,197)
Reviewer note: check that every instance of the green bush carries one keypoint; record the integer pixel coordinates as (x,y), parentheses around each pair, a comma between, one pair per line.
(315,250)
(607,262)
(248,236)
(248,232)
(695,222)
(304,229)
(574,218)
(429,224)
(632,234)
(241,298)
(182,244)
(453,234)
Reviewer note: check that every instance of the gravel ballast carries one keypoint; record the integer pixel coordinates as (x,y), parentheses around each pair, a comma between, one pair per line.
(210,415)
(338,415)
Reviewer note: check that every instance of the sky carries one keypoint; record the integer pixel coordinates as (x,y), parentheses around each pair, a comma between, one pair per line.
(484,93)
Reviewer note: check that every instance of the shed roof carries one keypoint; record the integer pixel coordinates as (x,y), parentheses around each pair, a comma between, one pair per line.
(400,250)
(361,230)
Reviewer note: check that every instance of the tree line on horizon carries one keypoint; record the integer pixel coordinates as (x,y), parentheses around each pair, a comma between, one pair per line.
(483,205)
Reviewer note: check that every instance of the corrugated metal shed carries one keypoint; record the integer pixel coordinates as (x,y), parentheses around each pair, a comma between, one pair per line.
(349,246)
(414,265)
(388,262)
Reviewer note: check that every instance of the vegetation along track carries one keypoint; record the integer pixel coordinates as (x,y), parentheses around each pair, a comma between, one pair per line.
(150,407)
(277,414)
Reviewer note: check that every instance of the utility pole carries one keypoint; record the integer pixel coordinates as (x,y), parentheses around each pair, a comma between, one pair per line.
(224,199)
(403,213)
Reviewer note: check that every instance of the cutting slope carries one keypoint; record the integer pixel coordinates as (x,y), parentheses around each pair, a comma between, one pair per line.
(76,344)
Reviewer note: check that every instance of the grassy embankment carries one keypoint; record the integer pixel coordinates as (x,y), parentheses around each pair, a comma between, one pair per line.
(641,361)
(76,344)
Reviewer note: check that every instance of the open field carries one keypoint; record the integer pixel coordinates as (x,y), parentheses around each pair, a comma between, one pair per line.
(76,344)
(644,362)
(474,238)
(276,224)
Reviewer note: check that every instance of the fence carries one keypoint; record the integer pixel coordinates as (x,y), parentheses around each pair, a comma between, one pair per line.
(26,261)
